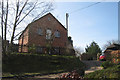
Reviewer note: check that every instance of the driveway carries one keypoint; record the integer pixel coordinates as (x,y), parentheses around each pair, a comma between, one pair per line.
(92,66)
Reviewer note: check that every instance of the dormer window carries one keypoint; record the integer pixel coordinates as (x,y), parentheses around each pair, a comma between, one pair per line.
(57,33)
(40,32)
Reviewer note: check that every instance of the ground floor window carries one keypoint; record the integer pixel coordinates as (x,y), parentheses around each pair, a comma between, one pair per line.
(39,50)
(56,50)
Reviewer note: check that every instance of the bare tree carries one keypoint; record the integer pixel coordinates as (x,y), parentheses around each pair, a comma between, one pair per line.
(14,14)
(110,42)
(2,13)
(78,51)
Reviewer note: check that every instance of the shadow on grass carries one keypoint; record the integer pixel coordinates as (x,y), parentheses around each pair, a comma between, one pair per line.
(22,65)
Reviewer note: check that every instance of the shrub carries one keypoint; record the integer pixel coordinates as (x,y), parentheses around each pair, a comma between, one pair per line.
(107,64)
(73,75)
(32,49)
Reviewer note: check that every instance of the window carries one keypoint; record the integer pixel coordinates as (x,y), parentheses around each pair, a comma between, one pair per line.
(56,50)
(39,49)
(48,34)
(57,33)
(49,19)
(40,32)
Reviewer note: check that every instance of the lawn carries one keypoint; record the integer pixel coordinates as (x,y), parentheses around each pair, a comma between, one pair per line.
(111,72)
(32,64)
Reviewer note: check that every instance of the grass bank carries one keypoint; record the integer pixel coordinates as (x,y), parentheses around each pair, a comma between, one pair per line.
(30,64)
(111,72)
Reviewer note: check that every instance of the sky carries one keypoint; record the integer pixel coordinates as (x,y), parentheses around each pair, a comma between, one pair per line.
(97,23)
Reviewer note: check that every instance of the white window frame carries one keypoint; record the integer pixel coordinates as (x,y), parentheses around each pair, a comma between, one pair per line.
(48,34)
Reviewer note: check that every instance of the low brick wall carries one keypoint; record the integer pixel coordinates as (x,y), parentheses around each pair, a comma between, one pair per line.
(86,57)
(113,55)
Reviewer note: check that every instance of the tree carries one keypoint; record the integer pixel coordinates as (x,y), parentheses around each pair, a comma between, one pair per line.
(109,43)
(78,51)
(15,14)
(111,56)
(93,49)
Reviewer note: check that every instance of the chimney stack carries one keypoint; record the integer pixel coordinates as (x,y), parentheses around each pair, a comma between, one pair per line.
(67,21)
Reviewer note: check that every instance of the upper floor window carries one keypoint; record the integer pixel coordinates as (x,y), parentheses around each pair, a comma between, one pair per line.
(40,32)
(57,33)
(48,34)
(49,19)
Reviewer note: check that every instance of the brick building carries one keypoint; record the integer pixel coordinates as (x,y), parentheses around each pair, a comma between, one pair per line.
(44,35)
(112,53)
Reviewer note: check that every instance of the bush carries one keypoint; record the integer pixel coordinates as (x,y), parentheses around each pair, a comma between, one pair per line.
(107,64)
(32,49)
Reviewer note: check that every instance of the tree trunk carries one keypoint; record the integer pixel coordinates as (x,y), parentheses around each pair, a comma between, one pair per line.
(2,28)
(5,29)
(14,27)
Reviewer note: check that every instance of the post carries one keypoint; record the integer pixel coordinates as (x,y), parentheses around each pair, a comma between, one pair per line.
(0,57)
(119,28)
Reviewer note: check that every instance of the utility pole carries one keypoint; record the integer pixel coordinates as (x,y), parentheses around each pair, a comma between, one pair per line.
(67,22)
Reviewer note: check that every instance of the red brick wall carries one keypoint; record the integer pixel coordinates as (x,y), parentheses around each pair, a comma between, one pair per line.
(23,40)
(85,56)
(32,37)
(44,24)
(116,55)
(113,55)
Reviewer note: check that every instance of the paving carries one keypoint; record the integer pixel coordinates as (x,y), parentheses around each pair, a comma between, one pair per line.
(92,66)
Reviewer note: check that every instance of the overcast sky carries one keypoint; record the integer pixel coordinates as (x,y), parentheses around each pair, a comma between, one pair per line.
(97,23)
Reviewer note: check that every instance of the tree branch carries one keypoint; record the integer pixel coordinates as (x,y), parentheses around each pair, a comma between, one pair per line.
(22,10)
(26,14)
(17,5)
(45,10)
